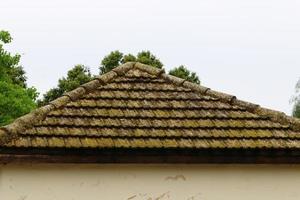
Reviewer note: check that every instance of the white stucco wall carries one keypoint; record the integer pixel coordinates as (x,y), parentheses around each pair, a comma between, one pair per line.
(149,182)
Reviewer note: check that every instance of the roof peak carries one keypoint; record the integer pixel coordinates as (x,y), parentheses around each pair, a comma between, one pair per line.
(11,131)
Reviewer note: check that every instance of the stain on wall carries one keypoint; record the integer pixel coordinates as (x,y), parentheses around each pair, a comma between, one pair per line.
(176,178)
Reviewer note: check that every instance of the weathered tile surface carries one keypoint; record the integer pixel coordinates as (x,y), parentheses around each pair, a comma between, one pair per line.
(137,109)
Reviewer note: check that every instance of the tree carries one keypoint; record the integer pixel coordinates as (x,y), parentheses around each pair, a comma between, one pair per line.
(115,58)
(77,76)
(296,110)
(10,70)
(184,73)
(111,61)
(296,101)
(16,99)
(148,58)
(128,58)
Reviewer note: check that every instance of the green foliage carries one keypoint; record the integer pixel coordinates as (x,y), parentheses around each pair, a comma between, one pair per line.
(111,61)
(77,76)
(5,37)
(116,58)
(16,99)
(296,101)
(50,95)
(148,58)
(10,70)
(296,109)
(184,73)
(128,58)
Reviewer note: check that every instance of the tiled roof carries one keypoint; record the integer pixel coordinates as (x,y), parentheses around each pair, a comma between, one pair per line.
(138,106)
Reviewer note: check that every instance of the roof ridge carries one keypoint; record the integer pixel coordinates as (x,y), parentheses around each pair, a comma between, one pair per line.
(10,131)
(275,116)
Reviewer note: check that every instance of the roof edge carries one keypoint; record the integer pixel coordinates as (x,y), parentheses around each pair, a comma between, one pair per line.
(10,131)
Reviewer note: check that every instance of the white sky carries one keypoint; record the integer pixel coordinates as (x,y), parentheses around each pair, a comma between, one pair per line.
(250,49)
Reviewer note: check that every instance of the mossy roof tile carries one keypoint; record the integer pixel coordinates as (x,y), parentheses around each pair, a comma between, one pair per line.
(138,106)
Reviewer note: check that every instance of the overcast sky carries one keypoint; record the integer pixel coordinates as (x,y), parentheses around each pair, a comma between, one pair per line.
(250,49)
